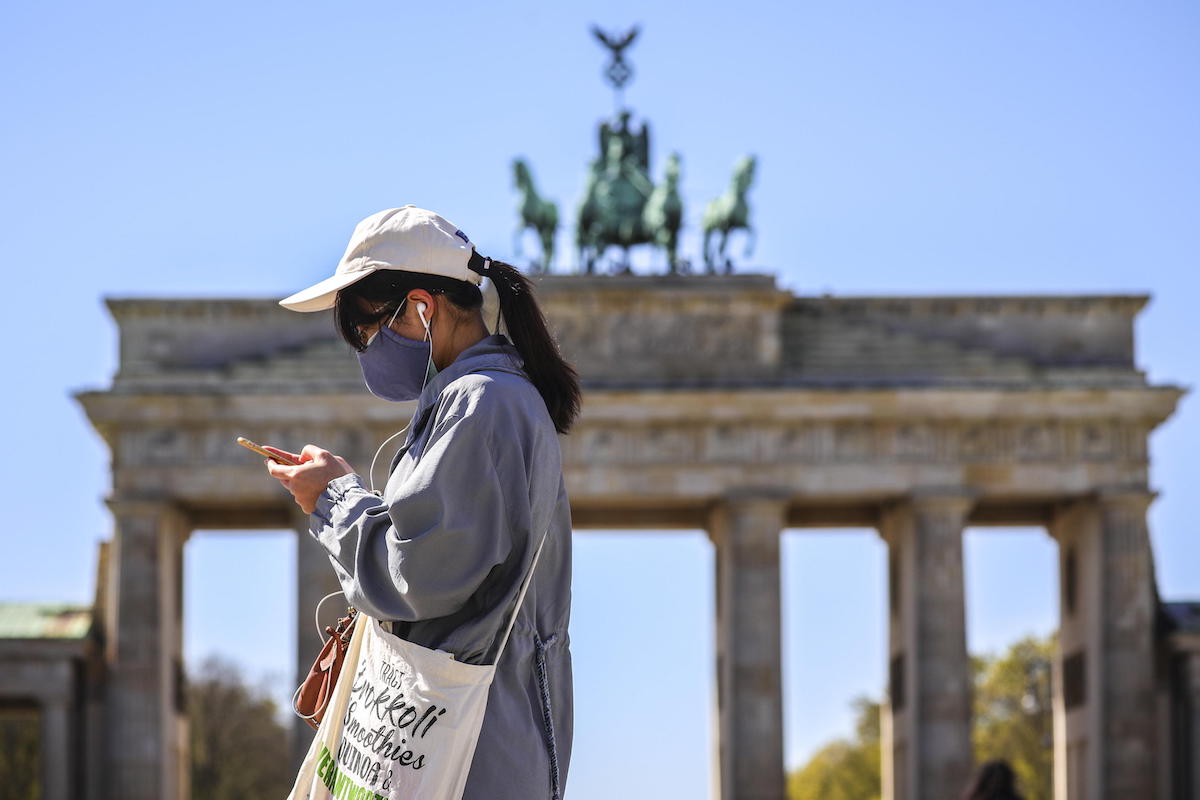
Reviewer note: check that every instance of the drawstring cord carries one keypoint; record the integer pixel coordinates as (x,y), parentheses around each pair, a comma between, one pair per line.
(547,719)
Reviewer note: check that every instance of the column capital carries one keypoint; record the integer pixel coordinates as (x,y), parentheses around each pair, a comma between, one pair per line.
(777,494)
(950,498)
(1135,498)
(954,500)
(133,507)
(732,510)
(141,505)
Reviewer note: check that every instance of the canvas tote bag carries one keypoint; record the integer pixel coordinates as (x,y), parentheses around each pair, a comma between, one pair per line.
(403,720)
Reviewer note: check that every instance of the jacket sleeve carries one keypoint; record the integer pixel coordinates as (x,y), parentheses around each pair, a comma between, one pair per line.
(422,553)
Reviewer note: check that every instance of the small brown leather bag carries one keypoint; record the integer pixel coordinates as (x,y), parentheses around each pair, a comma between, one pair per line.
(311,699)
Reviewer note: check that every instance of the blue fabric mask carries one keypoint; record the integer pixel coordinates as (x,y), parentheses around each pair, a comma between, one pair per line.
(395,367)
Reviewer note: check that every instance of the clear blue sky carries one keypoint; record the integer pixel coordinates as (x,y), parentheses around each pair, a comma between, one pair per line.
(227,149)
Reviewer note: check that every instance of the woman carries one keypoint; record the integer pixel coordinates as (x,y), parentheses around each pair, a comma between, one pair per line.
(440,553)
(995,780)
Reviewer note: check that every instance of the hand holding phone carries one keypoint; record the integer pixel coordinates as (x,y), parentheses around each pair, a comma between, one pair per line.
(277,455)
(308,473)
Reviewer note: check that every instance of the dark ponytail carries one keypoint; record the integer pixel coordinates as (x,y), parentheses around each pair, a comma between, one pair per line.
(554,377)
(383,290)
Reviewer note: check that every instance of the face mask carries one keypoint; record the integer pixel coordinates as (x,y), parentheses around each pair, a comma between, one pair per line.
(395,367)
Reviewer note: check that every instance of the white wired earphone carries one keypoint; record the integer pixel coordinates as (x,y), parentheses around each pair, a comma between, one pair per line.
(420,313)
(371,478)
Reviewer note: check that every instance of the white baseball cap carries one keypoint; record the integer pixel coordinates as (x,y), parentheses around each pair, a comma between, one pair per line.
(407,238)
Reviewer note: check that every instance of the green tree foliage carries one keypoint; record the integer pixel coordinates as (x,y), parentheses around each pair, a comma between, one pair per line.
(1013,715)
(844,769)
(20,752)
(239,749)
(1012,720)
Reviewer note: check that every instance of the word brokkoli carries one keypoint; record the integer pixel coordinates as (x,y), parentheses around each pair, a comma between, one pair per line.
(392,708)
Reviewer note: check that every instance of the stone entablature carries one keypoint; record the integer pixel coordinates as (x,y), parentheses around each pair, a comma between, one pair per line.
(682,445)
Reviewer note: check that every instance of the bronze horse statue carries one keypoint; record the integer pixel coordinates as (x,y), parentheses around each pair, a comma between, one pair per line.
(728,213)
(663,216)
(536,213)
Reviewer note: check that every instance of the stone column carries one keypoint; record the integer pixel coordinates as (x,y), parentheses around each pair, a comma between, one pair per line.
(315,578)
(58,762)
(1105,725)
(926,720)
(147,747)
(1191,686)
(745,530)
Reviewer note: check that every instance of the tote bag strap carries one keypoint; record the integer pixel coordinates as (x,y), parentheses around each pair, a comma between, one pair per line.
(521,596)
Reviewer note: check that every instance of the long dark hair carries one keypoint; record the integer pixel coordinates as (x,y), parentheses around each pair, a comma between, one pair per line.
(383,290)
(994,781)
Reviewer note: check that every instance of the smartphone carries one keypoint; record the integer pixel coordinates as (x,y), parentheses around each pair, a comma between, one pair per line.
(249,445)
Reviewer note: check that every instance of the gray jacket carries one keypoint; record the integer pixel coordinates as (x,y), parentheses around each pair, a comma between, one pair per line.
(442,553)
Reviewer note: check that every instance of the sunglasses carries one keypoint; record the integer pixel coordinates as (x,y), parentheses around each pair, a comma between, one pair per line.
(380,314)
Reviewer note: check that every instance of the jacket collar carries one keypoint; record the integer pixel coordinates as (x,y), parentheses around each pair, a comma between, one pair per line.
(492,352)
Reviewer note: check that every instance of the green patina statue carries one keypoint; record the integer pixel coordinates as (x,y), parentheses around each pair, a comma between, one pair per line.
(621,206)
(663,216)
(616,194)
(536,213)
(727,213)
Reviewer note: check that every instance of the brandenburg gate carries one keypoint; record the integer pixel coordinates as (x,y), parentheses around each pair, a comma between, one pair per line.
(715,402)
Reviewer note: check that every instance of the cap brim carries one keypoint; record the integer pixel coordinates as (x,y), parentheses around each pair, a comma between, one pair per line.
(321,296)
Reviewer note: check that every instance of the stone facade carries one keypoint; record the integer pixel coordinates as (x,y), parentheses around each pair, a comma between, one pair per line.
(714,402)
(52,674)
